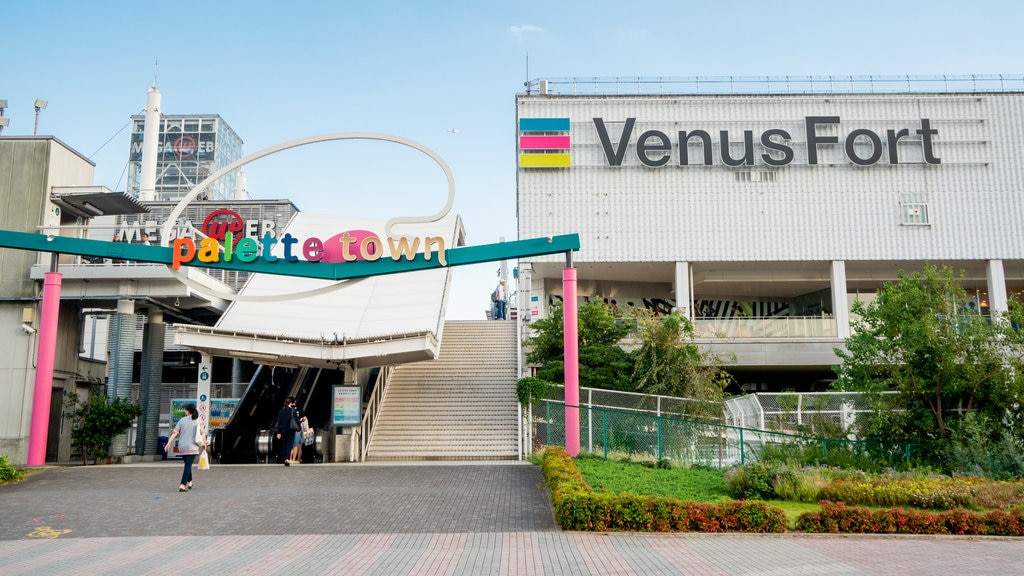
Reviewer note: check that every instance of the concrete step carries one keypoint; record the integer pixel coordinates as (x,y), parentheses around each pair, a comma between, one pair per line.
(461,406)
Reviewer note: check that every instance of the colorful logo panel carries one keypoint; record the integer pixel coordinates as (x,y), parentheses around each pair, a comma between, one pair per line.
(544,143)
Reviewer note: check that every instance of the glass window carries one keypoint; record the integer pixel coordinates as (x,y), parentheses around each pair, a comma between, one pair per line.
(914,214)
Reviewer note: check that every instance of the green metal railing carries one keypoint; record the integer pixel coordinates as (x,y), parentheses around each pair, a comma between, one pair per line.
(620,433)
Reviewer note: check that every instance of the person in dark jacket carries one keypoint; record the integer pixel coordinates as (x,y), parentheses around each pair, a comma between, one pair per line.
(285,434)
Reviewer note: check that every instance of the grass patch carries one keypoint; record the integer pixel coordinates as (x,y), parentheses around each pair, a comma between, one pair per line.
(793,510)
(686,484)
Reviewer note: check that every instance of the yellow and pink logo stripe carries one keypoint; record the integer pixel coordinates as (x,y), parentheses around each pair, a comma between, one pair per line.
(544,143)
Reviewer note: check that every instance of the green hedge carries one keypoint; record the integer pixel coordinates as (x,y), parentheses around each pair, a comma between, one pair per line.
(578,507)
(838,517)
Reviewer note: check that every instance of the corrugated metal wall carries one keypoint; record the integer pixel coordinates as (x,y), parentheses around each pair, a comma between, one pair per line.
(834,210)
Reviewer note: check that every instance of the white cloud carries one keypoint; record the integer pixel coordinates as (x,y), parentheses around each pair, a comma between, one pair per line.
(519,32)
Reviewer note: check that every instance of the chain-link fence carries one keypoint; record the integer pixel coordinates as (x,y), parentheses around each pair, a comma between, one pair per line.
(637,402)
(616,433)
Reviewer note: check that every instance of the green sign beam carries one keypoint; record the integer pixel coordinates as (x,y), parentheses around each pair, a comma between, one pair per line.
(459,256)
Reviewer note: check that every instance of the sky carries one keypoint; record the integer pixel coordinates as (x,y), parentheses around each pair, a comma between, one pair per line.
(443,74)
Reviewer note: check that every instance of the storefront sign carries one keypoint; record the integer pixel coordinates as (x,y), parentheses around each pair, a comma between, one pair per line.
(349,246)
(654,148)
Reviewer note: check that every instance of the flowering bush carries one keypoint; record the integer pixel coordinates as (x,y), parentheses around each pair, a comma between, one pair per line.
(924,491)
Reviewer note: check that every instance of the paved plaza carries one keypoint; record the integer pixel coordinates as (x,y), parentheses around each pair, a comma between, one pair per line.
(404,518)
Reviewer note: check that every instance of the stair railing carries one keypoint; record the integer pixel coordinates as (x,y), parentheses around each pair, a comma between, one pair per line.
(372,409)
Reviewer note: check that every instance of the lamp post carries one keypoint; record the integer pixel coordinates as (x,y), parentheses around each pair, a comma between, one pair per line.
(40,105)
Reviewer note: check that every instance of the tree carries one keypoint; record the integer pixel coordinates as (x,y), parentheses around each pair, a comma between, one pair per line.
(95,422)
(603,364)
(924,359)
(668,362)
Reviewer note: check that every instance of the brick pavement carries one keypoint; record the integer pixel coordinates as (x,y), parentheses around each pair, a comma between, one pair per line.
(415,518)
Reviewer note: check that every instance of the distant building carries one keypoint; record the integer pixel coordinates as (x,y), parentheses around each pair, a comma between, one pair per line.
(190,148)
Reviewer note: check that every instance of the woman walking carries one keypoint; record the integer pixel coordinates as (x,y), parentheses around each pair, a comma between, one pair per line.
(186,433)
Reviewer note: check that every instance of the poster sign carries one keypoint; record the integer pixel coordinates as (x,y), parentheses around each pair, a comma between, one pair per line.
(347,405)
(221,410)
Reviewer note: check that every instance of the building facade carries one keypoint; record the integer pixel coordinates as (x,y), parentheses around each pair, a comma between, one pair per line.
(189,148)
(762,209)
(33,168)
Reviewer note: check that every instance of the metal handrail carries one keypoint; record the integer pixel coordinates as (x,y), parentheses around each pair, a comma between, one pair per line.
(750,85)
(372,409)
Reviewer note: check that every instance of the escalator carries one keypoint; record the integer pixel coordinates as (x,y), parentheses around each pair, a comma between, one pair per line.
(247,437)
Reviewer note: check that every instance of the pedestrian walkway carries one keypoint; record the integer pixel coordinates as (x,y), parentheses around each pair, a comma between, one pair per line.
(405,518)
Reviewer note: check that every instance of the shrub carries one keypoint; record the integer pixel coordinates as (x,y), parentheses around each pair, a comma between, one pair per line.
(753,481)
(531,390)
(837,517)
(8,472)
(1001,523)
(851,455)
(804,484)
(960,521)
(95,422)
(578,507)
(889,490)
(561,472)
(752,516)
(998,495)
(976,445)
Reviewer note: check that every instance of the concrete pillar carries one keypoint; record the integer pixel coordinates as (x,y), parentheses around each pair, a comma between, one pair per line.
(150,381)
(997,303)
(121,345)
(840,307)
(237,386)
(684,290)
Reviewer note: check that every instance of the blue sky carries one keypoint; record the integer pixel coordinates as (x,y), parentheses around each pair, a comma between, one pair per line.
(277,71)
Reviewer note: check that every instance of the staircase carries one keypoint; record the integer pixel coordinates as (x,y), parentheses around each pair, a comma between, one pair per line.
(461,406)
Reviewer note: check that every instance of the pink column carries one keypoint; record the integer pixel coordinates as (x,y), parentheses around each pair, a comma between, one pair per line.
(570,328)
(44,369)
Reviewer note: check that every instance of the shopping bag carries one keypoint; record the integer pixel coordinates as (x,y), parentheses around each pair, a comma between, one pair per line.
(204,461)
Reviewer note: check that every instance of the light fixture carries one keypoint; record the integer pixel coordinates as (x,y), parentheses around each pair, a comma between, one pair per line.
(40,105)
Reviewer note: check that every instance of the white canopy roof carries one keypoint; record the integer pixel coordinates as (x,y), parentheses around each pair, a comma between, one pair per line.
(379,320)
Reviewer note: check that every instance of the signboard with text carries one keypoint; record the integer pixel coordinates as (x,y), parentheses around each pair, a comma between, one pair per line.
(346,406)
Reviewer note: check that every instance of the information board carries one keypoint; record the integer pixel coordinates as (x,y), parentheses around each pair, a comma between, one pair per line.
(347,406)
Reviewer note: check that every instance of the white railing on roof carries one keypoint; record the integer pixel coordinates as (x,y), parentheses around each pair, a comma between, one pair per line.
(786,411)
(711,85)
